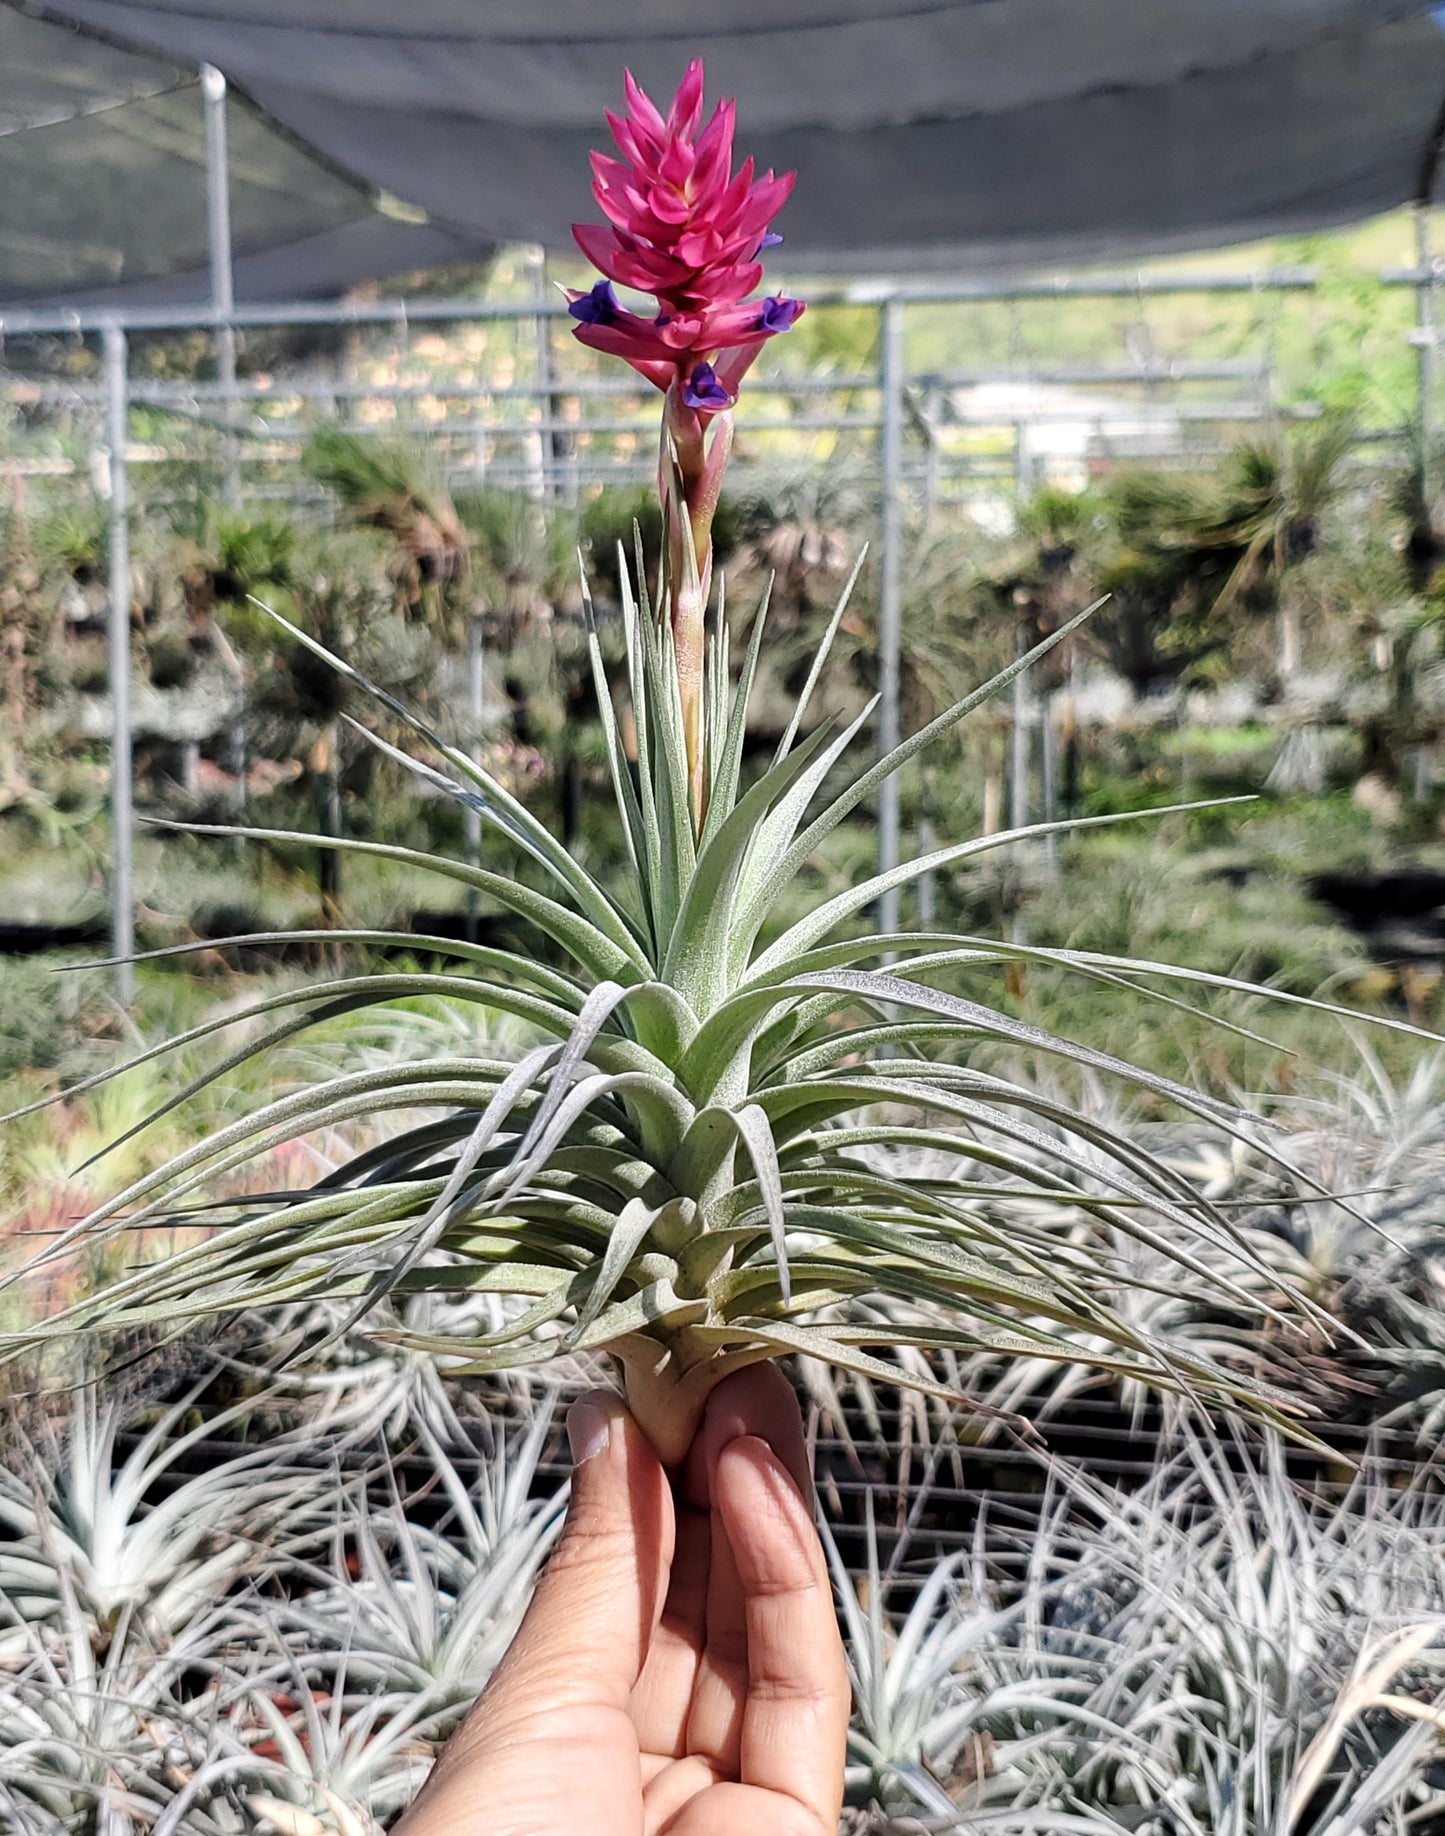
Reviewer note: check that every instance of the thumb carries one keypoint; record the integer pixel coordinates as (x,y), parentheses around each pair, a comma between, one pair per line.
(586,1633)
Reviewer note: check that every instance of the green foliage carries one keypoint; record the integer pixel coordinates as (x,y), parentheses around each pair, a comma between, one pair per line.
(390,485)
(607,523)
(253,555)
(801,527)
(1053,518)
(73,538)
(1183,560)
(32,1037)
(1345,345)
(843,340)
(523,558)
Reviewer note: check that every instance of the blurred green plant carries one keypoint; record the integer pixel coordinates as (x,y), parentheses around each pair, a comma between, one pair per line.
(392,486)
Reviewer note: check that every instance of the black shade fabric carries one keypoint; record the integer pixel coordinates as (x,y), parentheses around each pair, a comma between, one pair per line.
(102,187)
(925,132)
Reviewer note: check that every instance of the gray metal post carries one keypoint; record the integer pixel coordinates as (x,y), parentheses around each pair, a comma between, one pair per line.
(540,480)
(1048,778)
(1018,750)
(223,303)
(931,420)
(218,245)
(1425,344)
(890,564)
(927,842)
(122,924)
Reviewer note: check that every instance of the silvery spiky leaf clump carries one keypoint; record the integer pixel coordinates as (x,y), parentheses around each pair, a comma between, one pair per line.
(1217,1655)
(1377,1263)
(400,1606)
(123,1533)
(203,1637)
(677,1170)
(1206,1321)
(1372,1257)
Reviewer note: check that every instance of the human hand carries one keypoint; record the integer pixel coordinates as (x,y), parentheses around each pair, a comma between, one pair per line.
(679,1672)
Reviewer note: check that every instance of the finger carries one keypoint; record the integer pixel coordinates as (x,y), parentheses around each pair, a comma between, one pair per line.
(552,1726)
(795,1723)
(759,1402)
(587,1631)
(662,1700)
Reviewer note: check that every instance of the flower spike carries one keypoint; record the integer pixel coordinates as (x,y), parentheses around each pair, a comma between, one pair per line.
(684,227)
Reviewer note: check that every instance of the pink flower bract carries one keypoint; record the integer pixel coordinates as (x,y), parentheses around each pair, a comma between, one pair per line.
(684,227)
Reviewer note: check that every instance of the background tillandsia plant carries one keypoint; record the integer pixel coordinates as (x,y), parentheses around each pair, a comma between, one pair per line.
(707,1152)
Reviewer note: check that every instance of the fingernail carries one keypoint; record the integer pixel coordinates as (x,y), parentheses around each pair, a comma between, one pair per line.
(589,1428)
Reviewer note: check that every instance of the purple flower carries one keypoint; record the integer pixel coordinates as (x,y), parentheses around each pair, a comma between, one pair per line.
(599,307)
(770,240)
(703,390)
(778,314)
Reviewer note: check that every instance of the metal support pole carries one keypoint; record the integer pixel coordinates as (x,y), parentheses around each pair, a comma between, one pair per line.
(68,320)
(1018,750)
(539,447)
(122,924)
(223,303)
(890,561)
(927,842)
(1425,346)
(1048,779)
(932,420)
(218,245)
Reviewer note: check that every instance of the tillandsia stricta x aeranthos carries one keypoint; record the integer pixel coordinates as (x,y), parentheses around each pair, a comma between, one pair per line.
(710,1155)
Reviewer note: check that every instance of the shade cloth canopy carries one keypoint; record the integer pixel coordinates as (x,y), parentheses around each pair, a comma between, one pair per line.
(926,133)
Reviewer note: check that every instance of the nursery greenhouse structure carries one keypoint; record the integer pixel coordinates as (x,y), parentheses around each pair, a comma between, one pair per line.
(141,197)
(432,985)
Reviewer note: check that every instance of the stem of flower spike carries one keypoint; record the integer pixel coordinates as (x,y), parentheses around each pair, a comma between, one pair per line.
(691,464)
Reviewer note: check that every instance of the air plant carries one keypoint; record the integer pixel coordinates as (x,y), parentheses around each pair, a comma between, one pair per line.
(407,1609)
(1373,1258)
(389,485)
(675,1171)
(1378,1263)
(1215,1655)
(354,1383)
(273,1752)
(913,1709)
(97,1739)
(86,1532)
(192,1661)
(1241,1660)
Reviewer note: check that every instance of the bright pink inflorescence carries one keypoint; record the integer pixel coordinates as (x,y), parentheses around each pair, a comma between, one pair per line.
(682,226)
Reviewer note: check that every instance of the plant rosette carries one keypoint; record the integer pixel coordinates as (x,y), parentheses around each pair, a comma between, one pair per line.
(690,1170)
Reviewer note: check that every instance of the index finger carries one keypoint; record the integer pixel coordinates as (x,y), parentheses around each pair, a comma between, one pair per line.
(795,1723)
